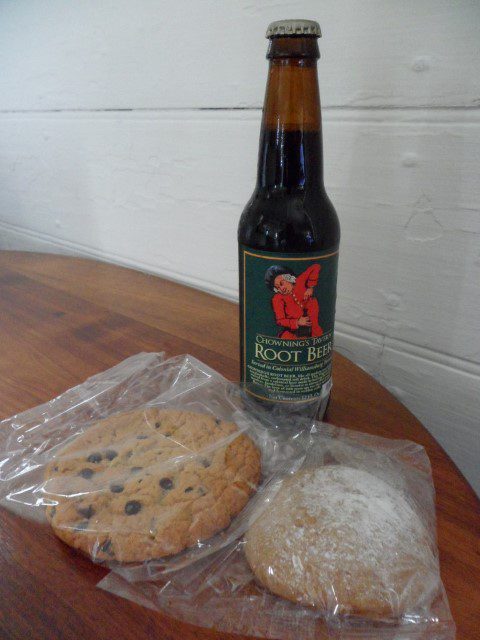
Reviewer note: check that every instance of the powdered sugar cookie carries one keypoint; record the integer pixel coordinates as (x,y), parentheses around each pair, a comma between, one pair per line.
(344,541)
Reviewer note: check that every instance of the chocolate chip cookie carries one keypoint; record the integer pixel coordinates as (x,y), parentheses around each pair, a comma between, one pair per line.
(149,483)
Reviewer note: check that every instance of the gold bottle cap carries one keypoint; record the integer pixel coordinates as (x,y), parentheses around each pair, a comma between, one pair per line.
(293,28)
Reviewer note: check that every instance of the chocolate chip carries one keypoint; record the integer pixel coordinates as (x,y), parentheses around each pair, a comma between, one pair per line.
(107,547)
(217,421)
(166,483)
(86,512)
(94,458)
(86,473)
(81,526)
(142,437)
(116,488)
(205,463)
(188,489)
(202,491)
(157,425)
(55,468)
(132,507)
(110,454)
(136,469)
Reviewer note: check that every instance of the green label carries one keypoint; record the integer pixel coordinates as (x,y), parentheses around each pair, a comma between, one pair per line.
(288,314)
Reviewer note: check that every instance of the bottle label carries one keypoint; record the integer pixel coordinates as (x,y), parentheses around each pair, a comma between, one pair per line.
(287,321)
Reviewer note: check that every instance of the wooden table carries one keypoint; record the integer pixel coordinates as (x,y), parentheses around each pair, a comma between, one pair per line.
(64,319)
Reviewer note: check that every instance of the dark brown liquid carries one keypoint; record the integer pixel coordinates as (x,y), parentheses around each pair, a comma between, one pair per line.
(289,211)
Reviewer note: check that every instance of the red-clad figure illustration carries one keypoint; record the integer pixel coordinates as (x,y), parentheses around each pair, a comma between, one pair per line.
(294,305)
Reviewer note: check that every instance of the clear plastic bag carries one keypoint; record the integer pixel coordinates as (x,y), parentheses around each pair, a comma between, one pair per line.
(45,451)
(222,592)
(116,462)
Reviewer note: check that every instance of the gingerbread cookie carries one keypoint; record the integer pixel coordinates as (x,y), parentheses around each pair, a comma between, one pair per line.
(149,483)
(343,540)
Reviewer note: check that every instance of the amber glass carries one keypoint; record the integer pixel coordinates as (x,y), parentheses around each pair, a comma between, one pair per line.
(289,211)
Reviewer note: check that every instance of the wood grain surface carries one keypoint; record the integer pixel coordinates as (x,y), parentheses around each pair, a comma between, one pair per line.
(63,319)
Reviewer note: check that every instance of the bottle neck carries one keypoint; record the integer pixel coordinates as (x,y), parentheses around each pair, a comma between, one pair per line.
(291,154)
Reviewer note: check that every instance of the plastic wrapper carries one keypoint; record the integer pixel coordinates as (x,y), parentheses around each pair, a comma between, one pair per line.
(114,468)
(222,592)
(59,461)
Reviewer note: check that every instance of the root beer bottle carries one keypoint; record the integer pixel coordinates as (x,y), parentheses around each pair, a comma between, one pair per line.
(289,234)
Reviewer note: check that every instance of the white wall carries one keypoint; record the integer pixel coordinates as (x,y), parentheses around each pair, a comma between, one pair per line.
(125,124)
